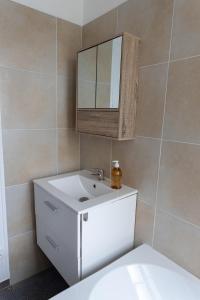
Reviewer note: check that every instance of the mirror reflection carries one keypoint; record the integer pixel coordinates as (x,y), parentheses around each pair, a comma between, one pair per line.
(108,74)
(99,75)
(87,78)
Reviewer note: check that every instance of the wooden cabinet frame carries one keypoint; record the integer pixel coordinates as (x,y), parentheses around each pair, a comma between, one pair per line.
(116,123)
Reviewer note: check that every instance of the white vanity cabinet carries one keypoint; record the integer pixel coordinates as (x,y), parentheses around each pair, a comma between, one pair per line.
(78,243)
(107,234)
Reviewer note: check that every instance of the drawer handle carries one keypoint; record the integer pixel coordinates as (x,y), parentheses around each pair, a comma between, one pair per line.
(51,206)
(52,243)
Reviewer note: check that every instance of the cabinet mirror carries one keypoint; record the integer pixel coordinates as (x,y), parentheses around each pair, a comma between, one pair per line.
(87,70)
(99,75)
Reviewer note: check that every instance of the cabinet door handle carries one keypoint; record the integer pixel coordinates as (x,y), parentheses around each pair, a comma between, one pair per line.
(85,217)
(51,206)
(52,243)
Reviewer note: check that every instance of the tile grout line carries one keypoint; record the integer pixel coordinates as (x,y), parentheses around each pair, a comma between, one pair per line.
(168,140)
(76,107)
(184,58)
(117,20)
(180,219)
(12,68)
(82,36)
(111,157)
(163,120)
(154,65)
(21,234)
(170,61)
(72,128)
(57,95)
(148,137)
(145,202)
(16,185)
(180,142)
(79,138)
(28,129)
(47,74)
(36,129)
(79,134)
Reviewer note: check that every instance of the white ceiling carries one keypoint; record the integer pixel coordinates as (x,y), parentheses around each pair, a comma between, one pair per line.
(70,10)
(76,11)
(95,8)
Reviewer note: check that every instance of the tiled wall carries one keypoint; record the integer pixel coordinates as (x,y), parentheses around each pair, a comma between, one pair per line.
(37,91)
(163,162)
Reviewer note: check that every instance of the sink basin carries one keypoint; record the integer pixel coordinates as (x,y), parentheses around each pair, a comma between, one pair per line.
(80,188)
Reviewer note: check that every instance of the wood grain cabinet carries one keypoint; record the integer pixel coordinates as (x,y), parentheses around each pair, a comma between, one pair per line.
(107,88)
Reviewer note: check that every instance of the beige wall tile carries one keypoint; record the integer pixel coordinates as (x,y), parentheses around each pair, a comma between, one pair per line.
(100,29)
(28,155)
(96,153)
(69,42)
(28,38)
(20,209)
(186,29)
(66,110)
(139,162)
(179,187)
(144,224)
(150,107)
(179,241)
(177,194)
(28,100)
(151,21)
(25,257)
(68,150)
(182,120)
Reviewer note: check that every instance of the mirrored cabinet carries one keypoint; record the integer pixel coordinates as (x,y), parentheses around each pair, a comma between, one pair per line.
(107,87)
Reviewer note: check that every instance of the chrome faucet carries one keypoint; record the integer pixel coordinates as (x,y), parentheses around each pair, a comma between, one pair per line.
(99,173)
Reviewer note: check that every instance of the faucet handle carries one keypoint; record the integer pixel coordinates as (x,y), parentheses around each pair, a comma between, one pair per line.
(95,171)
(98,172)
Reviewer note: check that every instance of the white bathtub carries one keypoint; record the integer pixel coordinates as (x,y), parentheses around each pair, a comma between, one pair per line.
(142,274)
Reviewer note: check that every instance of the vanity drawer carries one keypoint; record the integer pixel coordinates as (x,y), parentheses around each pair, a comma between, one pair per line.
(58,253)
(60,219)
(48,207)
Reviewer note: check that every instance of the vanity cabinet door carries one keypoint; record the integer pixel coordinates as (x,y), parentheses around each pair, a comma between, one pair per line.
(107,233)
(87,78)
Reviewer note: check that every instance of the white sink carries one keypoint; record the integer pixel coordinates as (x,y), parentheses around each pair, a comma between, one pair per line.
(80,190)
(80,187)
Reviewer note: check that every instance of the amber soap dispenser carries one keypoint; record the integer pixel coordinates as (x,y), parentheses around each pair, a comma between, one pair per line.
(116,175)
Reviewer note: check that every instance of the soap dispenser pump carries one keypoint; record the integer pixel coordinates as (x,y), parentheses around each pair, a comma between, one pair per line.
(116,175)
